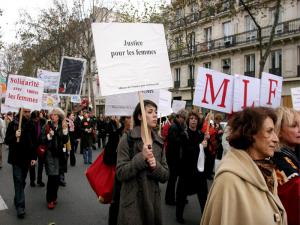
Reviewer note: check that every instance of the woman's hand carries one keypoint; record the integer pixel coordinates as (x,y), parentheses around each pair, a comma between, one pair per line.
(147,152)
(152,162)
(204,143)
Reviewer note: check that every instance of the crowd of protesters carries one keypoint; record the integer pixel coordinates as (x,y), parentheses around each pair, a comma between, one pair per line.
(256,182)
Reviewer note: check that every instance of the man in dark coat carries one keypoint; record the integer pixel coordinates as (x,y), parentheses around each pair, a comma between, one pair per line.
(173,153)
(21,156)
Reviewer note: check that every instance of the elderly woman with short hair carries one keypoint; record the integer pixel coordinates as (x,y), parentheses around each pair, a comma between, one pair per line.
(245,188)
(55,136)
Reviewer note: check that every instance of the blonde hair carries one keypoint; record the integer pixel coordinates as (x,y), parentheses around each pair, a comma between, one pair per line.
(59,112)
(285,117)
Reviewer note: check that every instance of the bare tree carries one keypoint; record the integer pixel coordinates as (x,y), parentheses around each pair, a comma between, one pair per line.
(12,59)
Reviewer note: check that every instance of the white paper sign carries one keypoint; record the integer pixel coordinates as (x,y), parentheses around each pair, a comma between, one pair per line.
(50,101)
(6,109)
(214,90)
(131,57)
(164,103)
(25,92)
(245,92)
(270,90)
(51,80)
(124,104)
(178,105)
(295,92)
(75,99)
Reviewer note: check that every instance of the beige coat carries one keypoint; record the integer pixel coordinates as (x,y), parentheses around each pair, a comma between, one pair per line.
(239,195)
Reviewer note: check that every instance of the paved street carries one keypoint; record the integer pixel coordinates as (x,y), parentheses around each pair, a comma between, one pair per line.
(77,203)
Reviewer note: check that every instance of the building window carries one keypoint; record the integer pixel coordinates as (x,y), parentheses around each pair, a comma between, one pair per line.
(298,66)
(178,13)
(207,65)
(250,65)
(192,73)
(208,37)
(275,63)
(192,42)
(227,31)
(194,7)
(249,28)
(177,78)
(279,27)
(226,66)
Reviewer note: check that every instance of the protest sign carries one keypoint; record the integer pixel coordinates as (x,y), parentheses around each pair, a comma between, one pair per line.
(50,79)
(6,109)
(178,105)
(24,92)
(270,90)
(124,104)
(75,99)
(245,92)
(72,71)
(214,90)
(131,57)
(295,92)
(50,101)
(164,103)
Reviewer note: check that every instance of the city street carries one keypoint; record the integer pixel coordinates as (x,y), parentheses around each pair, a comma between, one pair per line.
(77,203)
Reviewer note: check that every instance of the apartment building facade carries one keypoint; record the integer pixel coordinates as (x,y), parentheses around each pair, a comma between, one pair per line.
(228,42)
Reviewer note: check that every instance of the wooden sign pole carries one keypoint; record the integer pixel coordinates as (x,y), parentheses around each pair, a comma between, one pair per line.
(145,126)
(20,123)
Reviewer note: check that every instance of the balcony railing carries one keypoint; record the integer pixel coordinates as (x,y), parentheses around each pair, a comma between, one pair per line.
(191,83)
(275,71)
(298,71)
(248,37)
(177,84)
(249,73)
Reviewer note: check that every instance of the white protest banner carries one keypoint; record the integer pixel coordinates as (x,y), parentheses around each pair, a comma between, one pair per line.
(131,57)
(24,92)
(72,71)
(50,101)
(270,90)
(178,105)
(6,109)
(124,104)
(214,90)
(75,99)
(295,92)
(51,80)
(245,92)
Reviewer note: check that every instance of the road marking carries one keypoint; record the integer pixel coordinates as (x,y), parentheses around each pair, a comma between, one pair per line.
(2,204)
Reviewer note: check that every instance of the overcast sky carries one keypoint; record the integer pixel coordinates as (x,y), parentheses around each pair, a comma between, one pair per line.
(11,9)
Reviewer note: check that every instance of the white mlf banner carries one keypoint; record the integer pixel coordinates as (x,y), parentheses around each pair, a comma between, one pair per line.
(124,104)
(270,90)
(24,92)
(245,92)
(131,57)
(214,90)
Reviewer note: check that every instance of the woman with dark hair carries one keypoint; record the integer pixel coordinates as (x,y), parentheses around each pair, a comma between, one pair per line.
(56,135)
(141,166)
(245,188)
(190,181)
(288,163)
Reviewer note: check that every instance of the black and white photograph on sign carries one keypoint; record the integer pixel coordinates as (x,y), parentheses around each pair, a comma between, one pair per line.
(71,76)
